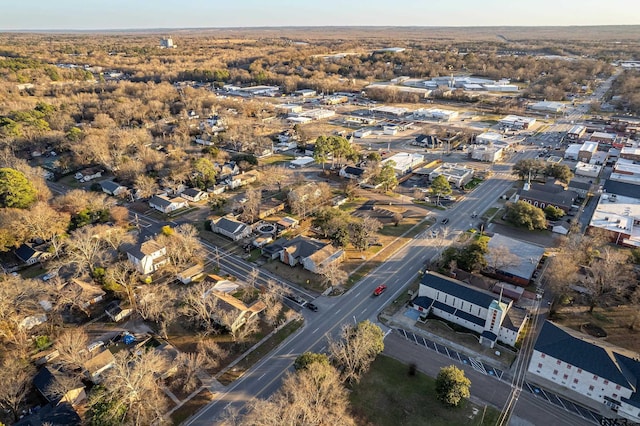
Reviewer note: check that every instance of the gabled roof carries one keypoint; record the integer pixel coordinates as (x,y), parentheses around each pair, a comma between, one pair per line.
(561,198)
(457,289)
(43,381)
(110,185)
(144,249)
(99,361)
(231,225)
(192,192)
(355,171)
(588,354)
(160,201)
(25,252)
(303,247)
(325,253)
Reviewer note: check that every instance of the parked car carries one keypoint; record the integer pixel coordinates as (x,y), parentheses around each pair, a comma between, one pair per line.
(311,306)
(445,221)
(379,290)
(296,299)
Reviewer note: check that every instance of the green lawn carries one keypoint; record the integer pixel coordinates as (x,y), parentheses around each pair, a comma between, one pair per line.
(388,395)
(276,158)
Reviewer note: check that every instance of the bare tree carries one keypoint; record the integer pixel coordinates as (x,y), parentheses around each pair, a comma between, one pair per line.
(251,207)
(333,274)
(601,288)
(145,186)
(125,278)
(133,386)
(72,347)
(157,303)
(313,396)
(183,245)
(271,296)
(276,175)
(198,303)
(356,349)
(41,221)
(500,257)
(15,375)
(85,249)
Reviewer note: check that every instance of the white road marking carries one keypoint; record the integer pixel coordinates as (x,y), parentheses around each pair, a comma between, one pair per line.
(261,376)
(315,330)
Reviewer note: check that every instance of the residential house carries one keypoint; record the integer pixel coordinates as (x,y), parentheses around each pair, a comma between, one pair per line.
(190,274)
(84,293)
(288,222)
(241,312)
(310,253)
(494,319)
(45,383)
(116,312)
(87,175)
(592,368)
(29,255)
(230,228)
(52,414)
(548,194)
(165,204)
(148,256)
(351,172)
(194,195)
(270,207)
(97,365)
(227,170)
(243,179)
(112,188)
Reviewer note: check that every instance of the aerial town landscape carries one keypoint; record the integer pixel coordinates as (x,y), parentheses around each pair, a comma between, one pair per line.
(320,225)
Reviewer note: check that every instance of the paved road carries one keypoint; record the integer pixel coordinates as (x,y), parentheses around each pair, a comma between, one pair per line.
(357,304)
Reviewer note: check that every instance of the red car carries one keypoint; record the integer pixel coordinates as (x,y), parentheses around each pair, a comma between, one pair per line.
(379,290)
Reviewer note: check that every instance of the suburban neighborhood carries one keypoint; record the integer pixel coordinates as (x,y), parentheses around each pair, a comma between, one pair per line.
(198,228)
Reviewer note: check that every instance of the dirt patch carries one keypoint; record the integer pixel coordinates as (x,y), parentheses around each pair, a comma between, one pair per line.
(593,330)
(191,407)
(620,323)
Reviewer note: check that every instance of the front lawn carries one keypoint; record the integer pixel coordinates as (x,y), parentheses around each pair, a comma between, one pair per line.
(388,395)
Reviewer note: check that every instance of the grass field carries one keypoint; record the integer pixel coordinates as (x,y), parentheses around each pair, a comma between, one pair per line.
(388,396)
(191,407)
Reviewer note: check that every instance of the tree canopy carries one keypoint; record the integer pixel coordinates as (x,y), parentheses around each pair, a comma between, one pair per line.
(452,386)
(15,189)
(440,187)
(524,214)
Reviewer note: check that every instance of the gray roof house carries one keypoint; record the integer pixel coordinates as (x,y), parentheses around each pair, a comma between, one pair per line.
(231,228)
(312,254)
(29,255)
(167,205)
(581,364)
(194,195)
(112,188)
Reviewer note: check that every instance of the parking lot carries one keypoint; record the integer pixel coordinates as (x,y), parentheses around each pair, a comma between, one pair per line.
(483,368)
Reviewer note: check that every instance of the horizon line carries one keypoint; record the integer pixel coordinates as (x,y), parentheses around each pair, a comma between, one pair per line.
(273,27)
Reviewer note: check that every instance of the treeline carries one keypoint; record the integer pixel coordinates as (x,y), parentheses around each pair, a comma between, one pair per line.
(625,91)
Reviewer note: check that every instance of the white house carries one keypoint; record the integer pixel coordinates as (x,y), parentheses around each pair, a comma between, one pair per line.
(194,195)
(351,172)
(87,175)
(495,320)
(112,188)
(592,368)
(312,254)
(148,256)
(231,228)
(165,204)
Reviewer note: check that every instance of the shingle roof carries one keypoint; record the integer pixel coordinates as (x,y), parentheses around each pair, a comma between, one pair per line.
(25,252)
(159,201)
(191,192)
(109,185)
(457,289)
(563,198)
(355,171)
(61,414)
(303,247)
(574,349)
(230,225)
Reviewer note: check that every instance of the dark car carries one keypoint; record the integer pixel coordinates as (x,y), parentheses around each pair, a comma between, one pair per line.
(445,221)
(295,299)
(311,306)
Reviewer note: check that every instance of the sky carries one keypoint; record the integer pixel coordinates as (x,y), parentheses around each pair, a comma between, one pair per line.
(149,14)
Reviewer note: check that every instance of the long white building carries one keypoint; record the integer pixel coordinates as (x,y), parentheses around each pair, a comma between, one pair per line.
(478,310)
(605,373)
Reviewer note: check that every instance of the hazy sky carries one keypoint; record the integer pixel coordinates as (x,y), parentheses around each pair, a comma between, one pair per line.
(131,14)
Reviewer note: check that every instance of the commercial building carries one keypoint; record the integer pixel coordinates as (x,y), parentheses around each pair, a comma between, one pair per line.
(547,106)
(517,122)
(575,133)
(626,171)
(405,162)
(630,153)
(457,175)
(587,170)
(494,319)
(388,110)
(435,113)
(305,93)
(487,153)
(604,138)
(586,151)
(489,137)
(520,266)
(549,194)
(572,152)
(619,216)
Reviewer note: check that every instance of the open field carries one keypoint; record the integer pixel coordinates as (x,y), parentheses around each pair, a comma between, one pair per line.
(388,395)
